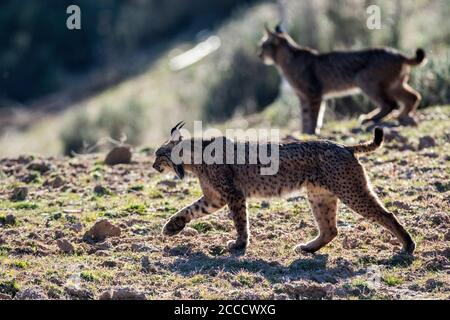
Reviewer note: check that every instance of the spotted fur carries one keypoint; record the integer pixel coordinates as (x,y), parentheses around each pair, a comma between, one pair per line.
(329,171)
(380,73)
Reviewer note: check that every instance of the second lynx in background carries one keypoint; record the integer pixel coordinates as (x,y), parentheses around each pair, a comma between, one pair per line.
(381,73)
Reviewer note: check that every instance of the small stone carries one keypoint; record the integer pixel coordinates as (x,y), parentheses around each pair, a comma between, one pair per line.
(99,190)
(118,155)
(31,294)
(190,232)
(40,166)
(55,182)
(10,219)
(19,194)
(101,230)
(109,264)
(105,245)
(426,142)
(65,246)
(102,253)
(30,177)
(122,293)
(78,293)
(77,227)
(59,234)
(147,266)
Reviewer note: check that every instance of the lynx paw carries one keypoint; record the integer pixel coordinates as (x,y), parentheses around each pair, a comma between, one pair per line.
(174,226)
(302,248)
(235,246)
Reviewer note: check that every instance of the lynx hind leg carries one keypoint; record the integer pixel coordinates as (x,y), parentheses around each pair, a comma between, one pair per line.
(324,207)
(358,196)
(410,99)
(377,93)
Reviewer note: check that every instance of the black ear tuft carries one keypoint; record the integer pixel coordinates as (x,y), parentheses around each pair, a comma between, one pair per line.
(278,29)
(178,126)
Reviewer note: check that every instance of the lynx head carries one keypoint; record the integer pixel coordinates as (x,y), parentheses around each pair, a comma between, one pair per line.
(270,43)
(163,154)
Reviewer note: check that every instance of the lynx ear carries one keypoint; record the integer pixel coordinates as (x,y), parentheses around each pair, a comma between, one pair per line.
(175,132)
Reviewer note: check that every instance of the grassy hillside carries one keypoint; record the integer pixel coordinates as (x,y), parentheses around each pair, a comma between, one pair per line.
(410,174)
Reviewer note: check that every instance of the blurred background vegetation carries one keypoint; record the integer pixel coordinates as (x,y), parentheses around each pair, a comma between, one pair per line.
(65,90)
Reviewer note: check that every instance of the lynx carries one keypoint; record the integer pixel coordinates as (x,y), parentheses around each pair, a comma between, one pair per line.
(381,73)
(329,172)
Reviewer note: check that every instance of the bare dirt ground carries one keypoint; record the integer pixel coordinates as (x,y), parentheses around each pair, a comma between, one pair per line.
(47,205)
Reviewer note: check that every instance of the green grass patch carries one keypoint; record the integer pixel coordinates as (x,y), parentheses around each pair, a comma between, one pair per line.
(135,208)
(392,279)
(25,205)
(202,226)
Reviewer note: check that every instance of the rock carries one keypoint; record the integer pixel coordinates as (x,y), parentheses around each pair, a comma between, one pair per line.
(59,234)
(122,293)
(65,246)
(77,227)
(118,155)
(109,264)
(30,177)
(40,166)
(190,232)
(147,266)
(55,182)
(31,294)
(105,245)
(10,219)
(139,247)
(102,253)
(23,159)
(101,230)
(426,142)
(99,190)
(78,293)
(19,194)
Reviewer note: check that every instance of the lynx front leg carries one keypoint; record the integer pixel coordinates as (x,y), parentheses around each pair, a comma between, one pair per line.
(312,115)
(238,208)
(197,209)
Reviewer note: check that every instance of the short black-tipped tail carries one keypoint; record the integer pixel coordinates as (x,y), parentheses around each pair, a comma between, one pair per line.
(418,59)
(378,136)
